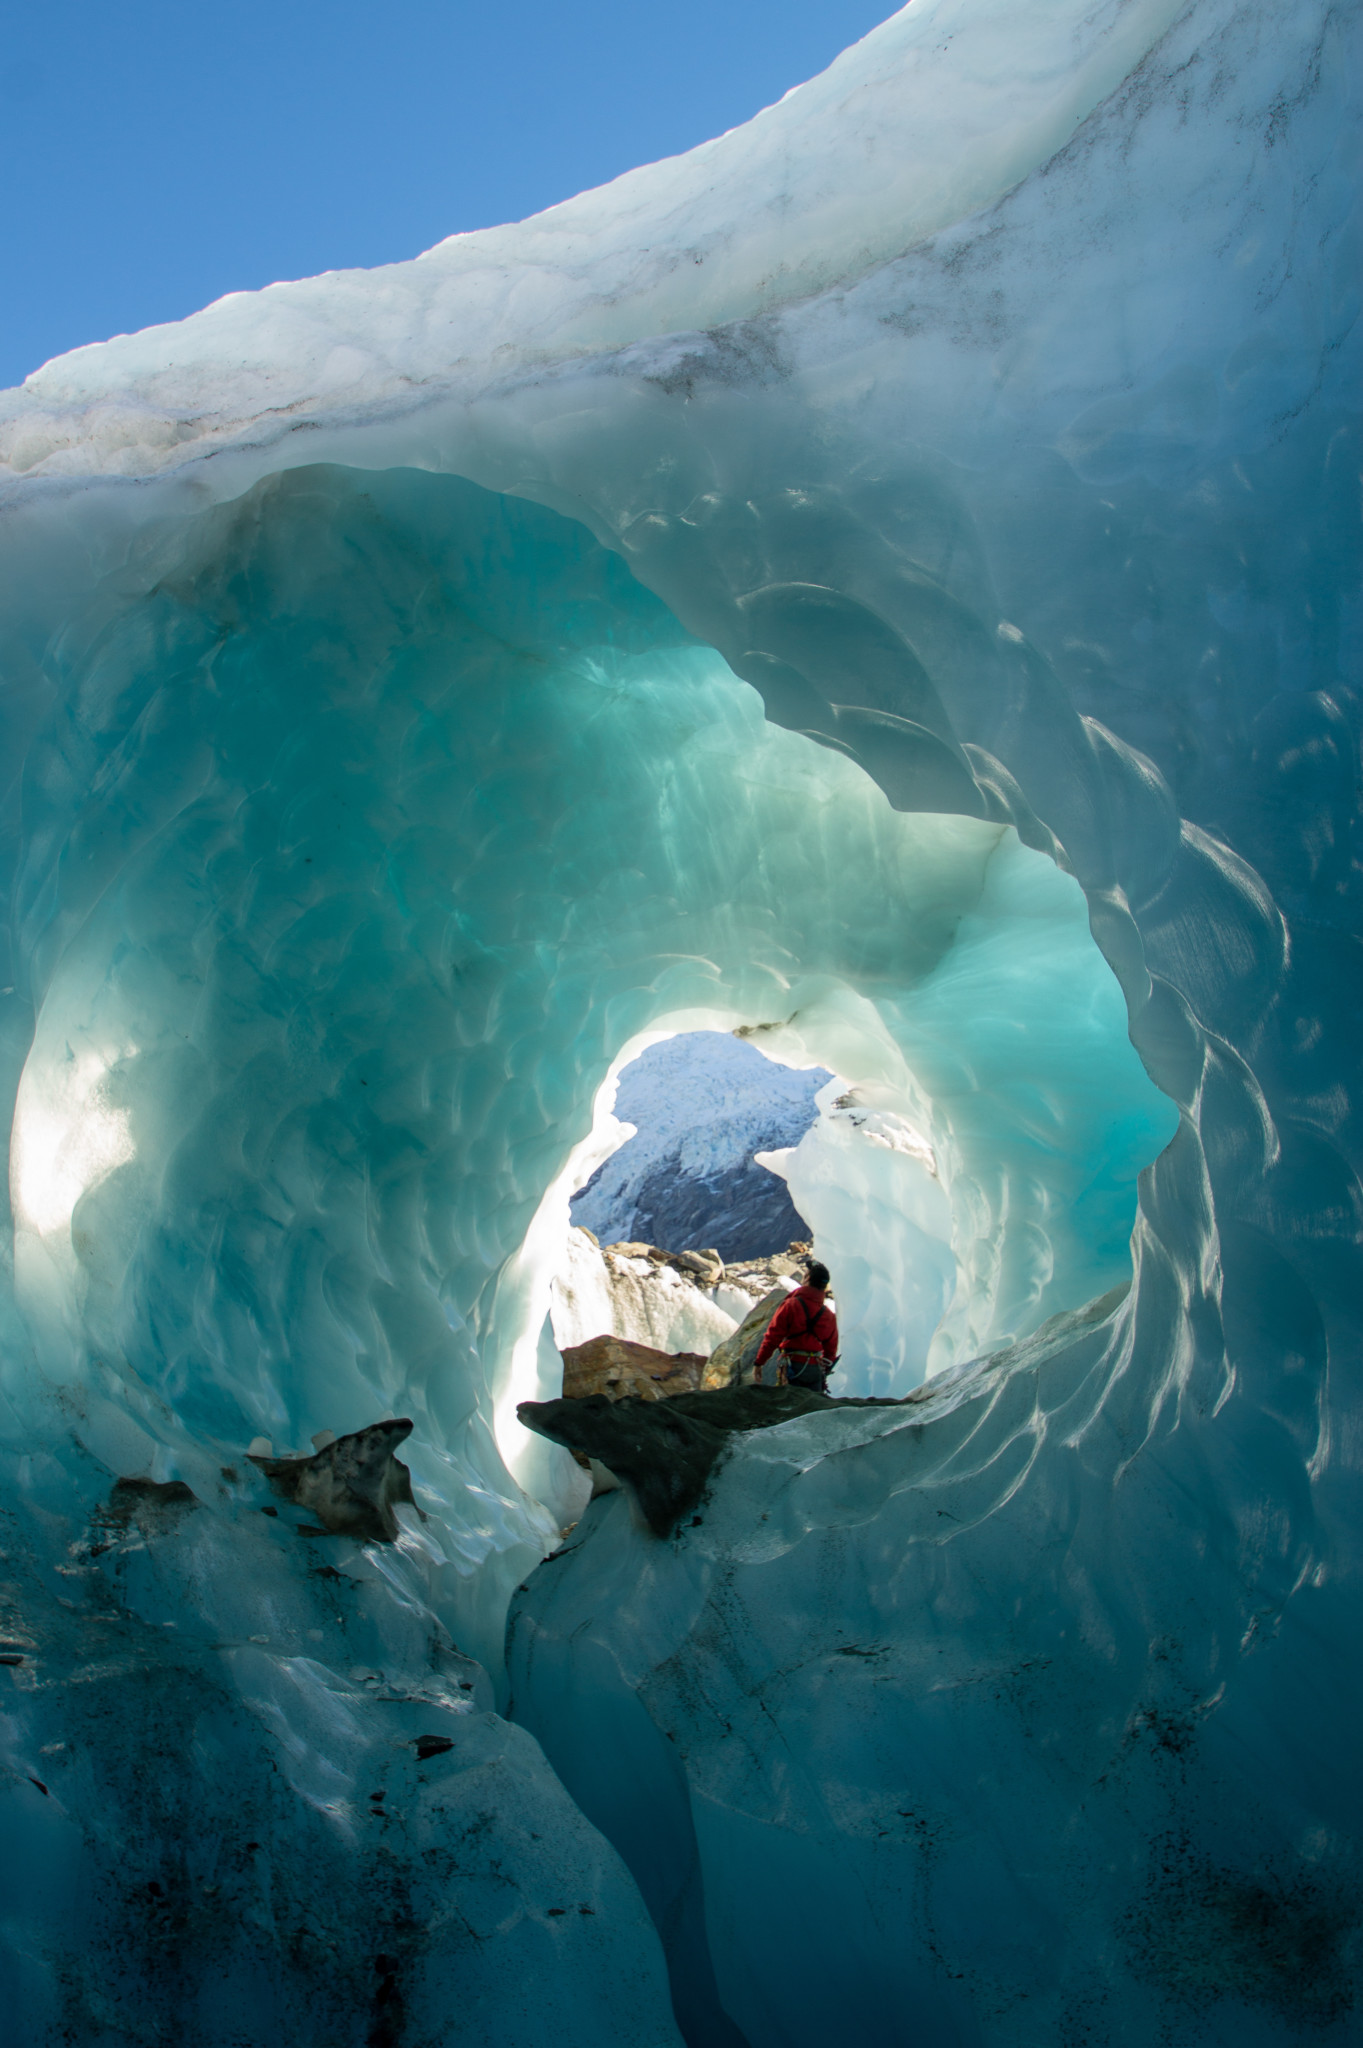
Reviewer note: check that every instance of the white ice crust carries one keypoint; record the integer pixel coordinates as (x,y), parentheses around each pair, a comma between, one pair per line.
(936,113)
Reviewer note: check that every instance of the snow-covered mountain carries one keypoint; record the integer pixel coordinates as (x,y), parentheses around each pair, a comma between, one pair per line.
(702,1104)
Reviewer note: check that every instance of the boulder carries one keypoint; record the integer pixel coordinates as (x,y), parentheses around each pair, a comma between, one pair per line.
(617,1368)
(731,1362)
(706,1268)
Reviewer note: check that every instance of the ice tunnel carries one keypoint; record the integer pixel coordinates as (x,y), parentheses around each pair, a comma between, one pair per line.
(887,585)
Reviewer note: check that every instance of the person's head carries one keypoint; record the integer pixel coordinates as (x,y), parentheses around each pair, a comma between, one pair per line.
(818,1274)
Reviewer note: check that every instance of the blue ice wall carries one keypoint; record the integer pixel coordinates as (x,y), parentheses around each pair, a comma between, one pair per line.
(1044,1690)
(372,819)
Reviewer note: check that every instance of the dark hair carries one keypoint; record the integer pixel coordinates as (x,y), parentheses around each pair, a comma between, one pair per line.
(818,1274)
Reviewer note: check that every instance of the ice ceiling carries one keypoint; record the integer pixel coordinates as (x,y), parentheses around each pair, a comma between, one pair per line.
(888,582)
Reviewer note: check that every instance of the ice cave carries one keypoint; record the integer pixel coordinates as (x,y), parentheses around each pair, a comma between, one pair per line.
(881,590)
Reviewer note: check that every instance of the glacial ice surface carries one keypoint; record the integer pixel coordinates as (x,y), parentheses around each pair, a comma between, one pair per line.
(912,619)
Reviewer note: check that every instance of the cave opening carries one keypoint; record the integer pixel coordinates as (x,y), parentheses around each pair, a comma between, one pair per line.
(699,1106)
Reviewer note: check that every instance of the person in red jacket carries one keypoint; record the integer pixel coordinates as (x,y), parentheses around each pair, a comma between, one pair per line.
(805,1332)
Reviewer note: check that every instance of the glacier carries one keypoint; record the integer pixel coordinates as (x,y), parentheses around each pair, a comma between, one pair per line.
(887,584)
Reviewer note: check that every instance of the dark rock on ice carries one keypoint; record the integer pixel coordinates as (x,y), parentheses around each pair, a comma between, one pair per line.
(352,1485)
(431,1745)
(664,1451)
(151,1506)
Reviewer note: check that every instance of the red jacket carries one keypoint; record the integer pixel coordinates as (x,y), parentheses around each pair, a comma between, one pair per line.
(802,1323)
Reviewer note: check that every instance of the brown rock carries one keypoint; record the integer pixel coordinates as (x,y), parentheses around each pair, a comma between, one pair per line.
(615,1367)
(703,1268)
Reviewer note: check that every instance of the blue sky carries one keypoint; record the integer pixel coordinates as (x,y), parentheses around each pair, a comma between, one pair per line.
(156,154)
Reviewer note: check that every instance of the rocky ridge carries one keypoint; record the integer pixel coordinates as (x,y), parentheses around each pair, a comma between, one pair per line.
(686,1303)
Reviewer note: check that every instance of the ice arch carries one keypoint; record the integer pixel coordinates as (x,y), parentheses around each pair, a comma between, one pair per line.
(422,814)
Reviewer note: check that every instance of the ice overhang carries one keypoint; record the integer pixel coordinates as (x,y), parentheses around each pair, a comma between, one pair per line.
(934,115)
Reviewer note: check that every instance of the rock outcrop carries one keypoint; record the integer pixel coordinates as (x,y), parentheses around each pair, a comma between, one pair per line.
(665,1450)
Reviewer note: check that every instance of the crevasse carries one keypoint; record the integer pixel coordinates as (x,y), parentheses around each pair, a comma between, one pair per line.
(888,583)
